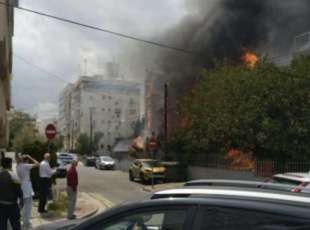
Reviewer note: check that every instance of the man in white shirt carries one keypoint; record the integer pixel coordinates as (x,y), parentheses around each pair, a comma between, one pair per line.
(24,164)
(46,172)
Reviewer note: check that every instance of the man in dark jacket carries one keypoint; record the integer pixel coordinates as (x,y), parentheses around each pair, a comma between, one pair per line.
(72,183)
(10,194)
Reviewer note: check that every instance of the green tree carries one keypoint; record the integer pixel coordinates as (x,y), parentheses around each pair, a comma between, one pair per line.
(96,141)
(264,111)
(23,130)
(83,143)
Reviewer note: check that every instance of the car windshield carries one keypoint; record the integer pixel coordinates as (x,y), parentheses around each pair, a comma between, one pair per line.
(151,164)
(105,158)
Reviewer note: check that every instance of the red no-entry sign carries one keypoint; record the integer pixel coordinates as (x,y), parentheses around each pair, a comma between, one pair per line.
(50,131)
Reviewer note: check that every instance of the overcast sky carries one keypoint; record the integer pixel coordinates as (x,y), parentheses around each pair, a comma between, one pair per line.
(60,48)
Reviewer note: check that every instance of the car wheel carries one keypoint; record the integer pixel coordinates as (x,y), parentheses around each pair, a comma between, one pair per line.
(131,178)
(143,178)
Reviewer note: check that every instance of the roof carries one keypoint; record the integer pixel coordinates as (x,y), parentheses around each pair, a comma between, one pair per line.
(236,194)
(301,177)
(123,146)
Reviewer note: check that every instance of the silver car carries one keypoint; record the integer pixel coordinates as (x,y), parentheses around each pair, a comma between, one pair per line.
(105,162)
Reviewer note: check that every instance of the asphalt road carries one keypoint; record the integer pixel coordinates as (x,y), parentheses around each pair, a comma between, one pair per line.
(112,185)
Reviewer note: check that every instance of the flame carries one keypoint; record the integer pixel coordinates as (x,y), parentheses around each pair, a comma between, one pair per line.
(250,59)
(240,160)
(138,143)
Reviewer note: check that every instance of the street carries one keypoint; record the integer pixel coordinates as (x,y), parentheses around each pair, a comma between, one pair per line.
(112,185)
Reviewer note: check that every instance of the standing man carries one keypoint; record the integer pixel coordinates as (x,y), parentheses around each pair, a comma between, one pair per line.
(46,172)
(10,193)
(24,164)
(72,183)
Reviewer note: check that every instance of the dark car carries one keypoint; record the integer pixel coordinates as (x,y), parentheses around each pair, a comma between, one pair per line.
(208,207)
(61,170)
(90,161)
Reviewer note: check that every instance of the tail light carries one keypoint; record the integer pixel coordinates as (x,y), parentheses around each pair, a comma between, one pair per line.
(299,188)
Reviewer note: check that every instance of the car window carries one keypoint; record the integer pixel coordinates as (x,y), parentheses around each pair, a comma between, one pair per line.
(157,220)
(285,181)
(217,218)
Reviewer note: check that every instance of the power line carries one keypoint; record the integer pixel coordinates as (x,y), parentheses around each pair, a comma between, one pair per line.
(102,29)
(41,69)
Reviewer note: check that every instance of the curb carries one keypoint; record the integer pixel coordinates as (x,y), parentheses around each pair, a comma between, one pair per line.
(87,215)
(146,189)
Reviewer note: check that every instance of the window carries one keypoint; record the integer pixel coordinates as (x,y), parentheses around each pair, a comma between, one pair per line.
(103,109)
(159,220)
(103,122)
(217,218)
(103,97)
(132,111)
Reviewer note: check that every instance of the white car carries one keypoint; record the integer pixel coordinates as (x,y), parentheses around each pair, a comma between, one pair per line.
(300,180)
(105,162)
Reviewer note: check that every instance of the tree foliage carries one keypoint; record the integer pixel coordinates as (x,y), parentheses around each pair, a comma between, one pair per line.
(265,111)
(23,130)
(83,143)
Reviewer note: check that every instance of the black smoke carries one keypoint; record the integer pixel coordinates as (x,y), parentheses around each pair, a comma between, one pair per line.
(221,30)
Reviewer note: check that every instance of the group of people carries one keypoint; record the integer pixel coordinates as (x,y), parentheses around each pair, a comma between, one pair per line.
(16,190)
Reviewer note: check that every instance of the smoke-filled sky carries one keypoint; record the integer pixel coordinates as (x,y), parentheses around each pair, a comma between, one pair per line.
(213,28)
(60,48)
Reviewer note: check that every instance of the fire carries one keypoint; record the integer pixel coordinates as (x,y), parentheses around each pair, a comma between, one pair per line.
(250,59)
(240,160)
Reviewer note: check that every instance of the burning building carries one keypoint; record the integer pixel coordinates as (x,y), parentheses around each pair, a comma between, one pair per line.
(220,30)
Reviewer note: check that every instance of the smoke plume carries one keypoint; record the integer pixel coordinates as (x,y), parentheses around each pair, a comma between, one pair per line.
(222,29)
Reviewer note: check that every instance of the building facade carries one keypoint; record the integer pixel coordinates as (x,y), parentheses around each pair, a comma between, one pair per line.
(6,33)
(108,109)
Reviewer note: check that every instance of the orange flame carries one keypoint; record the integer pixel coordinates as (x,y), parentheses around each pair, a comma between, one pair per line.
(240,160)
(250,59)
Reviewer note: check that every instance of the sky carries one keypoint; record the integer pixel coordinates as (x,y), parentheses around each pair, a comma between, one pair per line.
(48,54)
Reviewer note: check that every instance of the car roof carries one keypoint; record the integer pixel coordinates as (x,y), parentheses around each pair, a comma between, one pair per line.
(219,201)
(146,160)
(300,177)
(237,193)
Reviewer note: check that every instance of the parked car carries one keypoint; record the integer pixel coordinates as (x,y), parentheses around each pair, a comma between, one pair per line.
(207,207)
(65,157)
(146,169)
(90,161)
(74,156)
(300,181)
(105,162)
(61,170)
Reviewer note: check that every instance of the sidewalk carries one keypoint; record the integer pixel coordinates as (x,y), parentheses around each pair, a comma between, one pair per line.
(87,206)
(160,187)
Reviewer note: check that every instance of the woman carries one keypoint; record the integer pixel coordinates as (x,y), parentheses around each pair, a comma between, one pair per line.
(24,164)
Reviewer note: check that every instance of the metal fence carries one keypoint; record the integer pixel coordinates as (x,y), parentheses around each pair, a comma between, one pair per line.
(261,168)
(267,168)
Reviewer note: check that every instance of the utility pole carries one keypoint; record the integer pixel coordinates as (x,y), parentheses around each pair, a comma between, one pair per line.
(165,118)
(91,130)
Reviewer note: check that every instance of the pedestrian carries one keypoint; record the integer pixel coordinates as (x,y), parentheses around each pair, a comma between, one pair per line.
(72,184)
(10,194)
(45,172)
(24,164)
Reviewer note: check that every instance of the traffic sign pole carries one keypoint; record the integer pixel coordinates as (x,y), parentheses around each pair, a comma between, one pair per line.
(50,133)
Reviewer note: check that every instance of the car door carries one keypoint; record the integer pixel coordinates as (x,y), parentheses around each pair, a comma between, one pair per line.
(163,218)
(223,218)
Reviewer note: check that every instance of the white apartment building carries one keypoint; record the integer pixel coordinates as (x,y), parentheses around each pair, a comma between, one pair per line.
(111,106)
(6,33)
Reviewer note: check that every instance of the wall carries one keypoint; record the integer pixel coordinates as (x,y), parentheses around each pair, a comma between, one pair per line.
(196,173)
